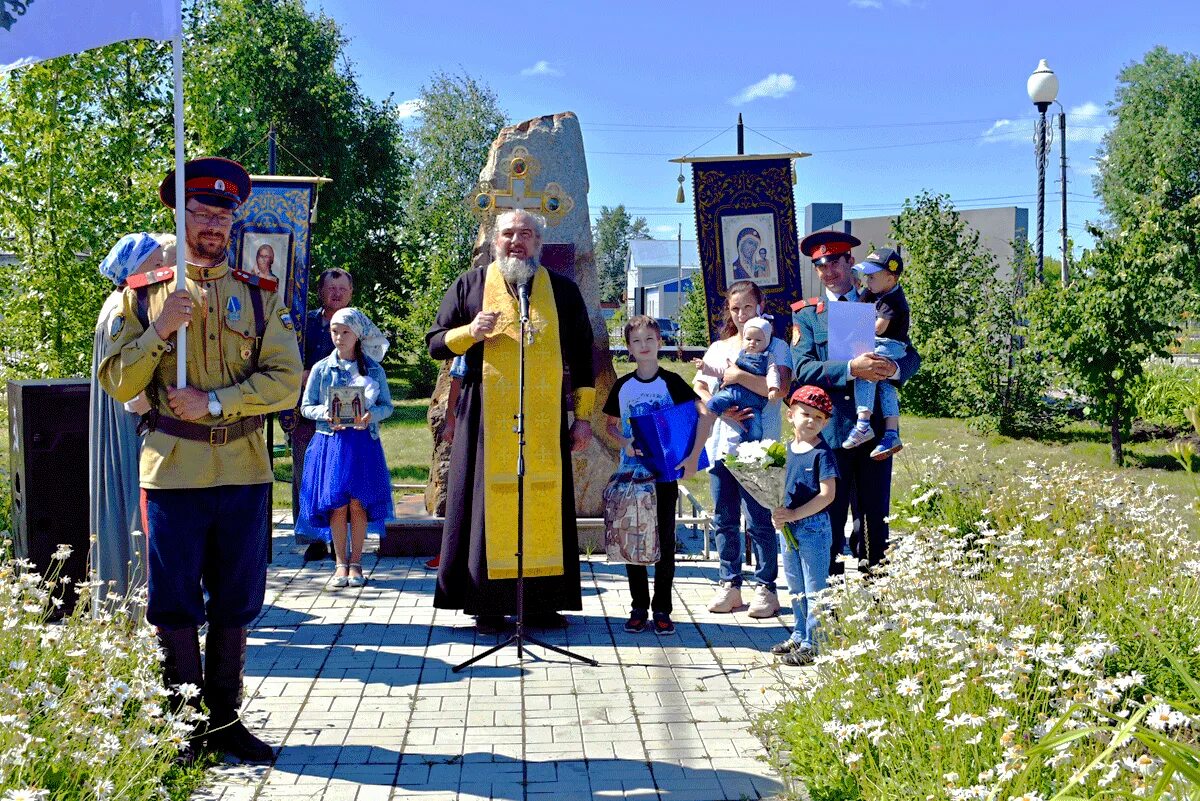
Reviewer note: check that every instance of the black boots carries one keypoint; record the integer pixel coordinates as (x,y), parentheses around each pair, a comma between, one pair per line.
(182,666)
(225,657)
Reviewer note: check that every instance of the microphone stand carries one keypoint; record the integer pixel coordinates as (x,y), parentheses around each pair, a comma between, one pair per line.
(519,637)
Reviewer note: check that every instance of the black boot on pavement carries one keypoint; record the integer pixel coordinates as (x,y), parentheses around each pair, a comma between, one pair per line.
(225,661)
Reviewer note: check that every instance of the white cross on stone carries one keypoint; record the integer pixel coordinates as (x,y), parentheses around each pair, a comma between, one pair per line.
(515,198)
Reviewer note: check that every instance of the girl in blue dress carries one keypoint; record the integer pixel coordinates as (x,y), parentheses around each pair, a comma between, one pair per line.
(346,484)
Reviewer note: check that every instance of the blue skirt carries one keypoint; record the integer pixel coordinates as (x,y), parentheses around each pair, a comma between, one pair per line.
(348,464)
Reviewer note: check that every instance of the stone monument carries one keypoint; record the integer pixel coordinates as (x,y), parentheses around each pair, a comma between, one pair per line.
(539,165)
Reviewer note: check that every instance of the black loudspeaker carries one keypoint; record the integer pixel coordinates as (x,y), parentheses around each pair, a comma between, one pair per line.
(48,445)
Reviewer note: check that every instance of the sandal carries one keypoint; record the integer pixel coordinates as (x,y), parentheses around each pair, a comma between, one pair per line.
(340,581)
(357,580)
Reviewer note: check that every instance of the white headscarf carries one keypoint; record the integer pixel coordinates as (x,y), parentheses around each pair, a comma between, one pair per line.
(374,343)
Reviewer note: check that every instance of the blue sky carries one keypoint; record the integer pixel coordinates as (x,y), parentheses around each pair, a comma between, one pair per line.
(890,96)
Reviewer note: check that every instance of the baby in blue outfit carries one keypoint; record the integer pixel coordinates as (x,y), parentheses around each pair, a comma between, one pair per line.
(754,358)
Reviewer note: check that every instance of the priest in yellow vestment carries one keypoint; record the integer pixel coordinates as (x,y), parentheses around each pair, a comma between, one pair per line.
(479,318)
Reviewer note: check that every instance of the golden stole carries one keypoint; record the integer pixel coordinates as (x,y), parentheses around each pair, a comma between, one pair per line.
(543,422)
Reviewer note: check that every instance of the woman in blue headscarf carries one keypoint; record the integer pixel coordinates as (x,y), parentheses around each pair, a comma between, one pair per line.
(113,441)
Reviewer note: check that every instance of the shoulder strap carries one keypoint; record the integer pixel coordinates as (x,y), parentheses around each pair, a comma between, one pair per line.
(253,279)
(260,323)
(143,306)
(816,302)
(149,420)
(260,319)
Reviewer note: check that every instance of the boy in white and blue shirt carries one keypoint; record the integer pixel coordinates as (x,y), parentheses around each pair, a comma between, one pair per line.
(648,389)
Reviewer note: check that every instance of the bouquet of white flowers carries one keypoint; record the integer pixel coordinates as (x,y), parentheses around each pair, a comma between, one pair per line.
(761,468)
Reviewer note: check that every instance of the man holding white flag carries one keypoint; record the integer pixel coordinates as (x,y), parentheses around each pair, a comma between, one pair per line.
(35,30)
(204,465)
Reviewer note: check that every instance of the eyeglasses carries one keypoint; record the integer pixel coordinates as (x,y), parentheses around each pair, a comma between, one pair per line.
(215,220)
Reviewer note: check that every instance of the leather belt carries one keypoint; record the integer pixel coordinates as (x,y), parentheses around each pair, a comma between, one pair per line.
(213,435)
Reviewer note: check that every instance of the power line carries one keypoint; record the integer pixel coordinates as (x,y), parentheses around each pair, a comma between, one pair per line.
(818,151)
(633,126)
(880,205)
(847,208)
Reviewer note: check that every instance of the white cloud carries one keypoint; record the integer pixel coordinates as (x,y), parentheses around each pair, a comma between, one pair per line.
(541,68)
(1000,129)
(409,108)
(777,84)
(867,3)
(665,229)
(1086,123)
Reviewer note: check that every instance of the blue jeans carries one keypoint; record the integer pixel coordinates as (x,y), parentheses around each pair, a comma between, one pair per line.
(889,398)
(807,568)
(737,395)
(728,500)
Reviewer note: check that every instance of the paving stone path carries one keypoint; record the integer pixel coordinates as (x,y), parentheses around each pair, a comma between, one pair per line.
(356,686)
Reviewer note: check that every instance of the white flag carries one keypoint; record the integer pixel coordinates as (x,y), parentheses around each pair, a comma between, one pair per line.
(34,30)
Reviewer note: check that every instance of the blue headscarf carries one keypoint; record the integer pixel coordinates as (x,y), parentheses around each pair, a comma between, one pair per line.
(126,256)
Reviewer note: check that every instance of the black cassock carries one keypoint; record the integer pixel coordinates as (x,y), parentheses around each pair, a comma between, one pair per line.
(462,581)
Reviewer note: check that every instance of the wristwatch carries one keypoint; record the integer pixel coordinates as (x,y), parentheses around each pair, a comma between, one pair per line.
(214,405)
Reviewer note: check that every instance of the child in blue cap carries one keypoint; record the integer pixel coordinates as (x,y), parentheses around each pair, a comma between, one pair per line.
(880,274)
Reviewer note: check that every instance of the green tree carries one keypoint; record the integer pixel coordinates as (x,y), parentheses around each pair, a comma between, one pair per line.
(946,273)
(1152,154)
(693,317)
(965,323)
(83,140)
(1117,313)
(251,63)
(460,118)
(611,234)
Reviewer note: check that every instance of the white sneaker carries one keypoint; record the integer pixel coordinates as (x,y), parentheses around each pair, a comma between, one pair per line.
(764,604)
(859,435)
(726,599)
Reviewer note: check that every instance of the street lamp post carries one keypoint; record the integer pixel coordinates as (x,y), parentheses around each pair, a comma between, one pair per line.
(1042,87)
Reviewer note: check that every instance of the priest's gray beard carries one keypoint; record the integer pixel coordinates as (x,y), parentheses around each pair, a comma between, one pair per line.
(517,271)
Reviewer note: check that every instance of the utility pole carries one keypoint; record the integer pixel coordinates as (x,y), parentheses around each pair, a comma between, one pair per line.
(679,296)
(1062,146)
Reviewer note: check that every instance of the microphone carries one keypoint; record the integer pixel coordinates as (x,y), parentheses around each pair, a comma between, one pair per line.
(523,298)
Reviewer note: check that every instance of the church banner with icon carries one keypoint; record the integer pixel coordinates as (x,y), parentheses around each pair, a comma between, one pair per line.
(271,240)
(746,231)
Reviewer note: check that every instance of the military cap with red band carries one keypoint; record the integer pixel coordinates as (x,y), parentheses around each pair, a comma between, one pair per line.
(814,397)
(213,181)
(827,244)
